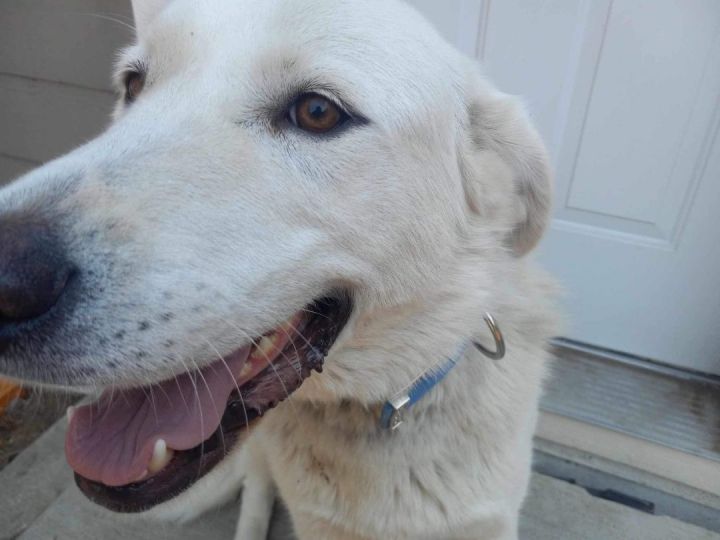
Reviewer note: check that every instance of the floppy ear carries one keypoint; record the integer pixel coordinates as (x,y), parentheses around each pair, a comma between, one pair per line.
(144,11)
(505,166)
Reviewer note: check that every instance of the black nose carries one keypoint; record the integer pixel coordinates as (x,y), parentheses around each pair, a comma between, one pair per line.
(33,270)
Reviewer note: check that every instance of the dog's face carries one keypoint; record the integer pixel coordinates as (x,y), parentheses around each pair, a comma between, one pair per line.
(282,164)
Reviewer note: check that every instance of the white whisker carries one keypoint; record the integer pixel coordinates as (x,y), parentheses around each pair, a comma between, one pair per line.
(316,313)
(301,335)
(224,363)
(159,386)
(182,394)
(111,18)
(197,398)
(202,419)
(297,369)
(212,398)
(152,403)
(282,383)
(247,419)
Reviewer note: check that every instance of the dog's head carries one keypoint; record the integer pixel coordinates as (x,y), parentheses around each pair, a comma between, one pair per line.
(274,170)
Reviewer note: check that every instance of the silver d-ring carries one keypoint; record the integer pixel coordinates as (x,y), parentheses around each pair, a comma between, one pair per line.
(499,352)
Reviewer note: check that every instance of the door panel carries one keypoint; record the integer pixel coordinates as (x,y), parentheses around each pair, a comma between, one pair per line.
(642,126)
(637,171)
(460,21)
(55,64)
(73,41)
(626,93)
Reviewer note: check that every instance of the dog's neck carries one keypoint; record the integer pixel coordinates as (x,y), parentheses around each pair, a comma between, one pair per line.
(385,349)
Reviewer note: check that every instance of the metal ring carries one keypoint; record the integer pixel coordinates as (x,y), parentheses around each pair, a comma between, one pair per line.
(499,352)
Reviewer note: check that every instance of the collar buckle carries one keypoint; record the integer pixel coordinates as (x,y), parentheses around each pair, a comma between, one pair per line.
(398,405)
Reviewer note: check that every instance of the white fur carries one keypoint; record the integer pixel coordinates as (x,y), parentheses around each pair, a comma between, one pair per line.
(205,208)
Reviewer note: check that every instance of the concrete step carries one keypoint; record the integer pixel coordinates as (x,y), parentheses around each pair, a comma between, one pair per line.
(40,501)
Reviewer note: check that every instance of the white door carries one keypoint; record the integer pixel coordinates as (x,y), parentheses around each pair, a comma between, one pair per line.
(627,96)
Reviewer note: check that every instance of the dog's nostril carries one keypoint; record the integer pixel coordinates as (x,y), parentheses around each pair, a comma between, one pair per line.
(32,294)
(34,272)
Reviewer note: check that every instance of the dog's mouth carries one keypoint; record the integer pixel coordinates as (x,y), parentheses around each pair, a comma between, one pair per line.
(134,449)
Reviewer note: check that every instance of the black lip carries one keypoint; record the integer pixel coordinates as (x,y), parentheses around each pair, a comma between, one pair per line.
(322,329)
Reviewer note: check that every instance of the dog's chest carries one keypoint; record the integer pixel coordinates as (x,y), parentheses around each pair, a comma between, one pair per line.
(346,468)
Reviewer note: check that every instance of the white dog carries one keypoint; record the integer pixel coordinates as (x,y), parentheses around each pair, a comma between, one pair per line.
(287,180)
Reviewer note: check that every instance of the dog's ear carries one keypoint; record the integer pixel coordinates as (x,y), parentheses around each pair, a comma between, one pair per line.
(144,11)
(505,166)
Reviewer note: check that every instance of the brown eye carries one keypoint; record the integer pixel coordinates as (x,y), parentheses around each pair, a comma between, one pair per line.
(134,83)
(317,114)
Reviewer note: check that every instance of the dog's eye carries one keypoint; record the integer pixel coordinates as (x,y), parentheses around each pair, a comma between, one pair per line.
(316,113)
(134,83)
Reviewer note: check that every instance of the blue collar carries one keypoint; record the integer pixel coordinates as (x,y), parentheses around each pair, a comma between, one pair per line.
(391,416)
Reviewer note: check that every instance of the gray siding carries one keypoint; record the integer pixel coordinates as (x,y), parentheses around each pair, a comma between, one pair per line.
(55,64)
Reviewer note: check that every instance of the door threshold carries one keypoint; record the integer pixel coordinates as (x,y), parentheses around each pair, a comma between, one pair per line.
(661,404)
(649,416)
(637,490)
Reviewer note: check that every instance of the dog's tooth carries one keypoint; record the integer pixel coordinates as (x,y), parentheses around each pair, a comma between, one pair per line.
(246,369)
(267,343)
(161,456)
(69,413)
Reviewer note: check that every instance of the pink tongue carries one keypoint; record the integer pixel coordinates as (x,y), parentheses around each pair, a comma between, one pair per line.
(111,441)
